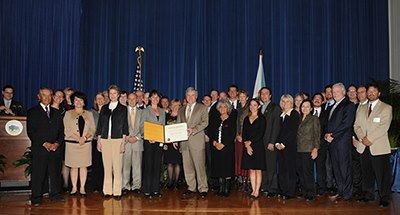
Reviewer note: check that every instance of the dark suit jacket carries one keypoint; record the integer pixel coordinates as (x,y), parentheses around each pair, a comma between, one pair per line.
(42,129)
(341,124)
(273,123)
(119,122)
(15,106)
(288,131)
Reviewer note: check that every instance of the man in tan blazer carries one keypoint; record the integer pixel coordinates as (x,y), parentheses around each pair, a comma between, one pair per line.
(371,127)
(193,150)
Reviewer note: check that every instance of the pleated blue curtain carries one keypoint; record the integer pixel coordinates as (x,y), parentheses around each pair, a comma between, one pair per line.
(89,44)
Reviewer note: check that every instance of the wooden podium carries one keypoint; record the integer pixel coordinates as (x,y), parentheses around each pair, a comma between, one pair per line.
(13,147)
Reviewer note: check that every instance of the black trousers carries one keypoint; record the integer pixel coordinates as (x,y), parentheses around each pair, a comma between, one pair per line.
(321,166)
(45,162)
(376,168)
(269,181)
(357,173)
(151,167)
(211,181)
(97,168)
(342,168)
(287,172)
(306,173)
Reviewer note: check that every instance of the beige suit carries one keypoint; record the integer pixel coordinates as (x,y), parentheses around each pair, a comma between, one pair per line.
(77,155)
(193,150)
(133,153)
(375,127)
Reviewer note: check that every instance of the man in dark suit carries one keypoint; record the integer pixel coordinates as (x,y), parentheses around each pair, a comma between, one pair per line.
(46,131)
(339,132)
(207,101)
(8,106)
(271,112)
(321,160)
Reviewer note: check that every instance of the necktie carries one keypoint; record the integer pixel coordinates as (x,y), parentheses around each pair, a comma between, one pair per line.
(47,111)
(133,117)
(333,109)
(315,113)
(263,108)
(369,109)
(8,103)
(188,112)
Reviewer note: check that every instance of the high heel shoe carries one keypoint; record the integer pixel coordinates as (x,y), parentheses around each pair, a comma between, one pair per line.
(83,193)
(73,193)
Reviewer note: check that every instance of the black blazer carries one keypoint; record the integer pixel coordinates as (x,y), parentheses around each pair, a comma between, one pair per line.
(273,123)
(288,132)
(323,119)
(119,122)
(341,122)
(15,106)
(42,129)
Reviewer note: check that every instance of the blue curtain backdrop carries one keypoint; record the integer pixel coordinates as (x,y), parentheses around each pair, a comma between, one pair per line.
(89,44)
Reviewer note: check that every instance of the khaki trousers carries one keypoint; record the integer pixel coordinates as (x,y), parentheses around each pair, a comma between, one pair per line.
(112,161)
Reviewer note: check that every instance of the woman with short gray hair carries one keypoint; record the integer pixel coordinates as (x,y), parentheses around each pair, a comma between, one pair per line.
(222,136)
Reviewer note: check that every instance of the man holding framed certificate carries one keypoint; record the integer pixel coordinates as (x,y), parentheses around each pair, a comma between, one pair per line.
(193,150)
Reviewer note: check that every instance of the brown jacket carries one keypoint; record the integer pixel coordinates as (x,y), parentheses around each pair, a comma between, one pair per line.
(198,122)
(71,129)
(308,134)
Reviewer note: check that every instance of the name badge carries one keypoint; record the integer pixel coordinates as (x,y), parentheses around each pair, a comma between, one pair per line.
(377,119)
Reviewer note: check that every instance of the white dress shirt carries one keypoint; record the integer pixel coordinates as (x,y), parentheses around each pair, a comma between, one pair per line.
(187,113)
(111,106)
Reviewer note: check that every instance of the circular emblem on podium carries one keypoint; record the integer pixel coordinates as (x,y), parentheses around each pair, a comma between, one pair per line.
(14,127)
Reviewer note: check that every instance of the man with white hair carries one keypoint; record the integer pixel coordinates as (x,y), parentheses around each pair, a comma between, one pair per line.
(338,134)
(193,150)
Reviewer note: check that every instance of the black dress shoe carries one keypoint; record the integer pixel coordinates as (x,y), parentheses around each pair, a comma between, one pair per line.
(157,194)
(125,192)
(271,195)
(321,192)
(118,197)
(383,203)
(37,204)
(58,199)
(286,197)
(170,185)
(253,197)
(73,193)
(147,195)
(203,195)
(107,196)
(136,191)
(365,199)
(188,194)
(309,198)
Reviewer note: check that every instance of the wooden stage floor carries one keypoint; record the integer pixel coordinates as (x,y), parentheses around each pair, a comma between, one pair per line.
(171,203)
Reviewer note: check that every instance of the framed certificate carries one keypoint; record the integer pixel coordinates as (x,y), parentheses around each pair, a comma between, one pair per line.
(165,134)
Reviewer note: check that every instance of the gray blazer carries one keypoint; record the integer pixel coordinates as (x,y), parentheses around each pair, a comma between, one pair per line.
(137,130)
(149,116)
(308,134)
(198,122)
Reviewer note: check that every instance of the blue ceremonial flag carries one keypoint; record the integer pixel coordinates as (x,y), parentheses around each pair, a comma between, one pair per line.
(260,79)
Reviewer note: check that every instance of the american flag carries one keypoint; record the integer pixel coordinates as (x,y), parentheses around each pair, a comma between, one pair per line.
(138,83)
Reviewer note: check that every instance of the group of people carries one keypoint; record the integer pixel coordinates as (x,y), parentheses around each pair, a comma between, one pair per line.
(232,140)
